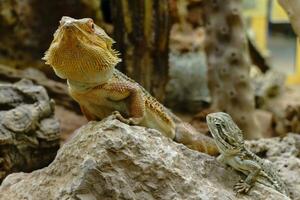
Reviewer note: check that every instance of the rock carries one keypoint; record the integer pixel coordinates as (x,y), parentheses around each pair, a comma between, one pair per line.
(283,153)
(286,111)
(111,160)
(288,120)
(268,86)
(57,90)
(29,133)
(187,87)
(228,64)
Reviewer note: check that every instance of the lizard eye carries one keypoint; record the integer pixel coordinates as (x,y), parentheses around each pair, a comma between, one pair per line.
(219,127)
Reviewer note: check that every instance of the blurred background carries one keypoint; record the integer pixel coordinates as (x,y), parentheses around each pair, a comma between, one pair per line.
(27,27)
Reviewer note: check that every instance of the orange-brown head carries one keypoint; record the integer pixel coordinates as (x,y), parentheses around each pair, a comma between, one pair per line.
(81,51)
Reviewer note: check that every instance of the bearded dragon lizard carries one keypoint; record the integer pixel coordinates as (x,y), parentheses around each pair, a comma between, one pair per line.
(230,142)
(82,53)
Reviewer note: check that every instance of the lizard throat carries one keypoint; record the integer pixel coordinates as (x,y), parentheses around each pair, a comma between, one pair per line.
(80,64)
(81,86)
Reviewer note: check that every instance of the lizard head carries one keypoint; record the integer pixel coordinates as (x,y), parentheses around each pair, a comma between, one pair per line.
(226,133)
(81,50)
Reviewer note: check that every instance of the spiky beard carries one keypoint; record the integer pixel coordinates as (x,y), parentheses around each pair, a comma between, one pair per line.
(71,54)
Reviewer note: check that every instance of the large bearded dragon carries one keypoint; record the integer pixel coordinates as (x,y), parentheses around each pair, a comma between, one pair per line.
(82,53)
(230,142)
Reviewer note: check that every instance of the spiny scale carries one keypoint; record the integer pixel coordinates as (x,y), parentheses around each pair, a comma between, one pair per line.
(268,169)
(150,101)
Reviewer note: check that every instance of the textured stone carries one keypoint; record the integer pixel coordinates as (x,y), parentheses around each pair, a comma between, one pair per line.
(29,133)
(190,93)
(229,63)
(187,86)
(111,160)
(268,86)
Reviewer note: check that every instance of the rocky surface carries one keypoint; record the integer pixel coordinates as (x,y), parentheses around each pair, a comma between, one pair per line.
(288,120)
(57,90)
(111,160)
(286,111)
(187,87)
(67,111)
(29,133)
(189,94)
(284,153)
(185,90)
(228,64)
(268,86)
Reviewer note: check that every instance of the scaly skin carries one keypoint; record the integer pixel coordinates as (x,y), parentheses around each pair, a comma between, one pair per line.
(81,53)
(230,142)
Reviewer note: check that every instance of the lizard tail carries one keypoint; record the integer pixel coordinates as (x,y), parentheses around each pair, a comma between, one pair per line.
(187,135)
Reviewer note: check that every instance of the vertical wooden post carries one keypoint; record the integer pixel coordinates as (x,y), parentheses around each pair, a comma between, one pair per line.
(141,30)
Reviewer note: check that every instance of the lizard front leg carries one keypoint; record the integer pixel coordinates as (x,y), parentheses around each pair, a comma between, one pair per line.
(132,95)
(243,186)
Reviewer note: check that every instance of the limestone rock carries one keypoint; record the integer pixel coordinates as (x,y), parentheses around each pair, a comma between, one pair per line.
(287,120)
(111,160)
(29,134)
(57,90)
(285,109)
(228,64)
(285,154)
(187,88)
(268,85)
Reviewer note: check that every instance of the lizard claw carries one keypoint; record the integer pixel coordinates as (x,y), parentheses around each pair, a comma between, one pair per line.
(117,115)
(129,121)
(242,187)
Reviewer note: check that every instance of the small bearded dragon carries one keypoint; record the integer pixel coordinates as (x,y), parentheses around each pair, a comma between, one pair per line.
(230,142)
(82,53)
